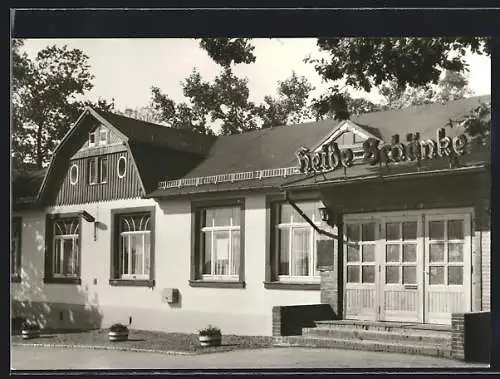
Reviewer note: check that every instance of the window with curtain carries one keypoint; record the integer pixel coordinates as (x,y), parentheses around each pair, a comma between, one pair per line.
(295,241)
(134,248)
(220,242)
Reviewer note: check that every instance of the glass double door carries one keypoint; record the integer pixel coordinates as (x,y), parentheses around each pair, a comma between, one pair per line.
(411,266)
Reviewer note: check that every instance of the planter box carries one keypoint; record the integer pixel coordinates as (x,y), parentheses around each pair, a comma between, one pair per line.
(118,336)
(206,341)
(29,334)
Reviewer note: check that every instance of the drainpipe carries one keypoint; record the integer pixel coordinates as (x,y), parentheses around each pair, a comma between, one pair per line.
(309,221)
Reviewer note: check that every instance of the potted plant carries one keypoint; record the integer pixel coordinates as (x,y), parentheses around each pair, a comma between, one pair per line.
(30,330)
(118,332)
(210,336)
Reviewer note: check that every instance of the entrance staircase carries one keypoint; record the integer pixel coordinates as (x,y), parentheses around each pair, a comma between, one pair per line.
(395,337)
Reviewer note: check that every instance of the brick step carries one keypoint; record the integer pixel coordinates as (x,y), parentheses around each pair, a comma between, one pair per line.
(443,330)
(367,345)
(439,339)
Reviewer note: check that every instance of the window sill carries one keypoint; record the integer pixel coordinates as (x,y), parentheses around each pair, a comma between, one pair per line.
(132,283)
(301,286)
(15,279)
(216,284)
(62,280)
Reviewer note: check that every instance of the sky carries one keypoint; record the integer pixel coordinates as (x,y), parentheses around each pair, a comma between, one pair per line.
(125,69)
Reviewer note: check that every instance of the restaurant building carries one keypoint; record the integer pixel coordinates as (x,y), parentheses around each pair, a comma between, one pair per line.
(383,217)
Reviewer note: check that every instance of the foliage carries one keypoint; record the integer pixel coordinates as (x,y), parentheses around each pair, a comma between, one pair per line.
(210,331)
(30,326)
(226,51)
(44,100)
(478,122)
(118,328)
(291,105)
(365,63)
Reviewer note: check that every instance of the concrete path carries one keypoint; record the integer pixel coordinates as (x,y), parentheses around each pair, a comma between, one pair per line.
(38,358)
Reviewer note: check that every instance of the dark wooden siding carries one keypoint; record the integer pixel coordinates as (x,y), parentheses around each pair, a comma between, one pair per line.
(116,188)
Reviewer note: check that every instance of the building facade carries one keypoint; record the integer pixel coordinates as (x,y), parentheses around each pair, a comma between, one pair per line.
(168,230)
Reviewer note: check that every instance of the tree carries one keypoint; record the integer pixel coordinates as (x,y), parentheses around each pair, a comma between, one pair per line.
(364,63)
(44,100)
(227,51)
(146,113)
(291,104)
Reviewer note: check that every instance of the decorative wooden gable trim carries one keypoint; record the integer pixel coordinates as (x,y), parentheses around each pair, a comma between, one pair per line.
(344,126)
(67,147)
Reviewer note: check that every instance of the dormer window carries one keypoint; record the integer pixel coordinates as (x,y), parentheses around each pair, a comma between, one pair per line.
(103,136)
(92,139)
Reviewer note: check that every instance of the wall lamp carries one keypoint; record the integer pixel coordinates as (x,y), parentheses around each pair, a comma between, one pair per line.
(325,214)
(89,218)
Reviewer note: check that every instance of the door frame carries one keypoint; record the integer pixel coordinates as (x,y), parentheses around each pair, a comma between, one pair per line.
(421,215)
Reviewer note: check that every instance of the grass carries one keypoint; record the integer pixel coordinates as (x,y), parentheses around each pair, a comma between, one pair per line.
(149,340)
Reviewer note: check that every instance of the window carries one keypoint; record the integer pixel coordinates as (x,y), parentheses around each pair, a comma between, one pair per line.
(63,249)
(73,174)
(103,136)
(15,249)
(103,170)
(360,258)
(92,139)
(446,252)
(219,251)
(401,252)
(133,247)
(98,170)
(92,171)
(294,252)
(121,166)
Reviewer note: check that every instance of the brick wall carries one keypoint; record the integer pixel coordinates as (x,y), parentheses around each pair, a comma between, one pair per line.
(471,336)
(289,320)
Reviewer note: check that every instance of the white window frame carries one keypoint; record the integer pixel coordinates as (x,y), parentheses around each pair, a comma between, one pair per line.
(103,160)
(212,229)
(94,136)
(124,159)
(297,223)
(73,182)
(126,236)
(59,239)
(93,179)
(103,131)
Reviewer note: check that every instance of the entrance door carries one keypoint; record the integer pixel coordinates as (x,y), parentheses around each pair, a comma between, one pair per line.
(447,266)
(407,266)
(400,266)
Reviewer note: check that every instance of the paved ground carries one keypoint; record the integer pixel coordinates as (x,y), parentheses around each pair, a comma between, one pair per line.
(37,358)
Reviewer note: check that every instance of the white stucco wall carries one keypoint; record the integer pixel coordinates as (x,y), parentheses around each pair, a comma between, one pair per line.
(235,310)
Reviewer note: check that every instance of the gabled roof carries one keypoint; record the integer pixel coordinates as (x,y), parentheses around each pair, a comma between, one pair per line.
(159,135)
(276,147)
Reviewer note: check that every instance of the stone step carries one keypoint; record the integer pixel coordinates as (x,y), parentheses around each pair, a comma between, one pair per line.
(367,345)
(413,336)
(430,329)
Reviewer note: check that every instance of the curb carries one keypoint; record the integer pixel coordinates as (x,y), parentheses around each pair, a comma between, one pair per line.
(97,347)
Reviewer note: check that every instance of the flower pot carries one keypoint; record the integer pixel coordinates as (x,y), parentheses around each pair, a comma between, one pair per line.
(29,334)
(206,341)
(118,336)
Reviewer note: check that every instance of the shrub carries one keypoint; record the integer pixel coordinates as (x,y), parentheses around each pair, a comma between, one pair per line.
(210,331)
(118,328)
(30,326)
(17,324)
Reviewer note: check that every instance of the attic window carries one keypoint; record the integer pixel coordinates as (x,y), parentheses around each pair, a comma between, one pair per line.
(122,166)
(356,139)
(92,137)
(73,174)
(103,136)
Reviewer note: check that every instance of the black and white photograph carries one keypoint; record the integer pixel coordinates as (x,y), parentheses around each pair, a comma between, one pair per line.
(250,203)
